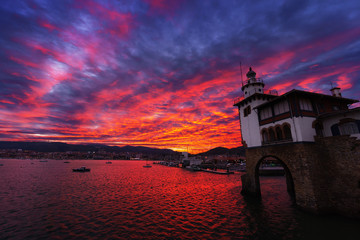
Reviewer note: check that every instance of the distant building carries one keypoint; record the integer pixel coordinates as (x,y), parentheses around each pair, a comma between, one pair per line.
(189,161)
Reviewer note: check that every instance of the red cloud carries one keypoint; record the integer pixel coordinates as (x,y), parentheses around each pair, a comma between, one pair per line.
(47,25)
(112,21)
(164,7)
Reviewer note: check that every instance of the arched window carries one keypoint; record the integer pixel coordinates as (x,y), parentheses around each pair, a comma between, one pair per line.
(335,130)
(348,128)
(265,136)
(279,135)
(271,134)
(287,131)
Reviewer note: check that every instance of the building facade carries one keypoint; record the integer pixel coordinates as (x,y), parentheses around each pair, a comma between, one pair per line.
(296,116)
(316,137)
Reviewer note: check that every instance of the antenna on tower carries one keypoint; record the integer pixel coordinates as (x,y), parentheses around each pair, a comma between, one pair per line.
(242,82)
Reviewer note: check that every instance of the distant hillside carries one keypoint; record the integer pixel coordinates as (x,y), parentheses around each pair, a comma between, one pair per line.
(64,147)
(225,151)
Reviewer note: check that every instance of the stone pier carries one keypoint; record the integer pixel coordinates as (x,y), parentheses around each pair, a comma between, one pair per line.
(322,176)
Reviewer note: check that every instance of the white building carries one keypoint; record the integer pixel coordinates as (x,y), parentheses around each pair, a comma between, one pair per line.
(296,116)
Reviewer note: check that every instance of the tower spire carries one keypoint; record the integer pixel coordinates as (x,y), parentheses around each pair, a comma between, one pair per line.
(253,85)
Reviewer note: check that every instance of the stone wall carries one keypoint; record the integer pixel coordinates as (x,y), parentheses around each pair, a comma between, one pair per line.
(339,158)
(325,174)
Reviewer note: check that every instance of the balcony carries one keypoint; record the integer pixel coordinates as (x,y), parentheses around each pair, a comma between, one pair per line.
(274,142)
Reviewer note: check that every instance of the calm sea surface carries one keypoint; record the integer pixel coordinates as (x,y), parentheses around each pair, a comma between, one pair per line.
(123,200)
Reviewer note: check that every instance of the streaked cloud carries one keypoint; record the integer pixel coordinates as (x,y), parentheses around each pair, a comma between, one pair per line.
(160,74)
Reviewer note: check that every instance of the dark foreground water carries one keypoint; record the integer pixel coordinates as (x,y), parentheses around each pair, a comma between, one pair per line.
(123,200)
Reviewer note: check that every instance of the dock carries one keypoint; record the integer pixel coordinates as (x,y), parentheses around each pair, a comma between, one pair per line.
(217,172)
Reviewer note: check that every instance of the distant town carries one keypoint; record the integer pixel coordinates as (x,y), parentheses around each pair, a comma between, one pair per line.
(61,151)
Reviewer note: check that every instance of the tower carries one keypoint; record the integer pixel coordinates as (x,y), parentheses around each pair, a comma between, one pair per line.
(253,85)
(253,92)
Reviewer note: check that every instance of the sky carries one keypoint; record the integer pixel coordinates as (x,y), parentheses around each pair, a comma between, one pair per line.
(160,73)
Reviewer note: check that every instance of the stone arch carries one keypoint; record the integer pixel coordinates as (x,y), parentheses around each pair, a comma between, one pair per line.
(288,176)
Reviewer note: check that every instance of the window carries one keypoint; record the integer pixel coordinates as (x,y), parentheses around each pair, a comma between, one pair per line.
(305,104)
(272,134)
(276,135)
(265,113)
(321,107)
(265,136)
(247,111)
(287,131)
(279,135)
(281,107)
(348,128)
(335,130)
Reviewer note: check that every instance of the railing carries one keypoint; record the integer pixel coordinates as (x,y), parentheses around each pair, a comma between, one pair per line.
(254,80)
(277,141)
(266,91)
(271,92)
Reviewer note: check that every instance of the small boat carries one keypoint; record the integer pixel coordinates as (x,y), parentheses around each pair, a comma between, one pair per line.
(81,169)
(147,165)
(66,162)
(193,168)
(217,172)
(43,160)
(1,164)
(108,162)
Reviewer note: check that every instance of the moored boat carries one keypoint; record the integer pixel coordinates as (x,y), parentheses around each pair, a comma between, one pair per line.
(217,172)
(81,169)
(194,168)
(147,165)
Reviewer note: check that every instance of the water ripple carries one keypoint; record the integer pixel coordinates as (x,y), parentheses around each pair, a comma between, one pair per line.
(127,201)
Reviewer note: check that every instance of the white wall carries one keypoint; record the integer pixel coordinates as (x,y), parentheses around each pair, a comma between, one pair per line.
(251,89)
(304,130)
(250,125)
(301,128)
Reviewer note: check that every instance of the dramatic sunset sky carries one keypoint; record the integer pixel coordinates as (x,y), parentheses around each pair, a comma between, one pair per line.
(163,73)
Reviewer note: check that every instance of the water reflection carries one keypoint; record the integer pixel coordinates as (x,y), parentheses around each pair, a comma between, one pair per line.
(123,200)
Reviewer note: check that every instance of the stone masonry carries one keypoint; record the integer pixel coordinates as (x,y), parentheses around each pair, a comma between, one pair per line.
(324,176)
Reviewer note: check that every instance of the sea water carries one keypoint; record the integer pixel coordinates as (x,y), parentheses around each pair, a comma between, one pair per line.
(124,200)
